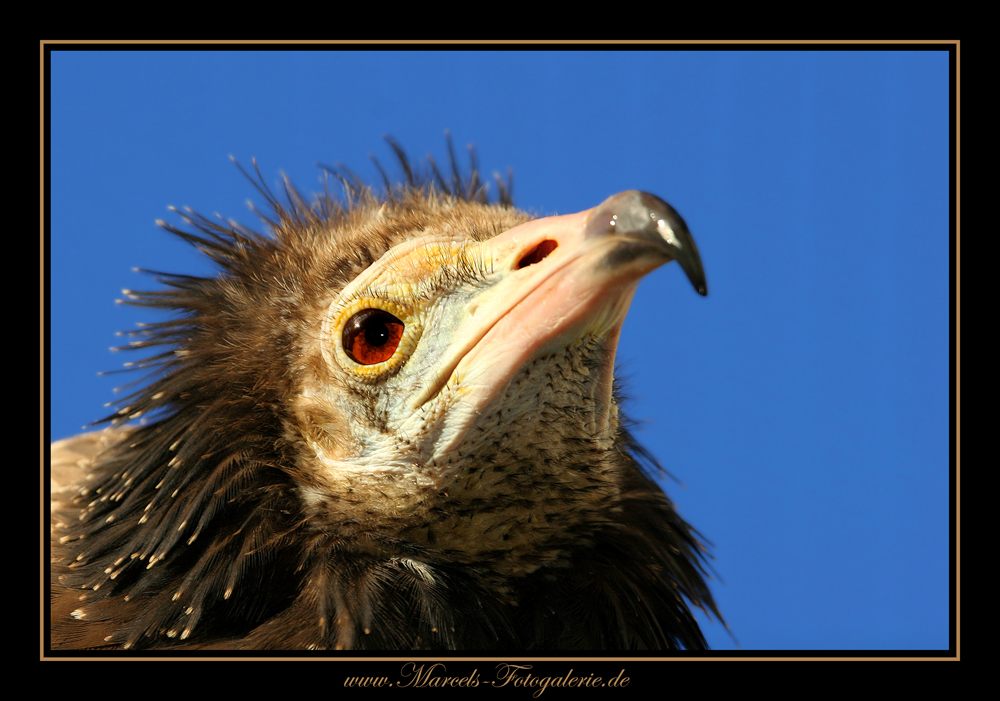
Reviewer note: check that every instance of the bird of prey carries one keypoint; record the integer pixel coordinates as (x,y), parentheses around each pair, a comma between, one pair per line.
(389,422)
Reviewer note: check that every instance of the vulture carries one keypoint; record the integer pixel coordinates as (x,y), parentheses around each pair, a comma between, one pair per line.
(389,422)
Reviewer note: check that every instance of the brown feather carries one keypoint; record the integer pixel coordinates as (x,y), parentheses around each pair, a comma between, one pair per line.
(191,530)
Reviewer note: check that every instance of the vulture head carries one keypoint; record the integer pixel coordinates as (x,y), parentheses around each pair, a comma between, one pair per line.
(390,422)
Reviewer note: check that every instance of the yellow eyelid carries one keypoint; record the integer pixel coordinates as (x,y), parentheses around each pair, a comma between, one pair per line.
(406,343)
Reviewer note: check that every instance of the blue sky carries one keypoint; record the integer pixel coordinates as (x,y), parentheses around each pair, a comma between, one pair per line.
(803,406)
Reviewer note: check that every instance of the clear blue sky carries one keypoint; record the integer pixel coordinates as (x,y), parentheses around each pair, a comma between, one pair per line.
(804,404)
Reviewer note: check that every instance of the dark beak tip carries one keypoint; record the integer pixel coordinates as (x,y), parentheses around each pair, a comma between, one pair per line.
(690,263)
(699,284)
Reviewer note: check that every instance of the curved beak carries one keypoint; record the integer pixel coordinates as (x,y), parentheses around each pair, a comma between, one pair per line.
(648,219)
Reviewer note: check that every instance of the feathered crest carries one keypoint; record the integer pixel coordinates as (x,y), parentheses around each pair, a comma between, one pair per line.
(464,186)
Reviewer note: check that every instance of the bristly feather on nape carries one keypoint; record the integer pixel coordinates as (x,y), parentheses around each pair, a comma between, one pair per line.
(191,532)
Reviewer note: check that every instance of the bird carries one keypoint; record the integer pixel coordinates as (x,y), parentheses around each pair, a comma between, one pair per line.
(388,421)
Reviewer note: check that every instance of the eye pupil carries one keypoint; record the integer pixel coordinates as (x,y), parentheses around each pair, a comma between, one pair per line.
(377,333)
(372,336)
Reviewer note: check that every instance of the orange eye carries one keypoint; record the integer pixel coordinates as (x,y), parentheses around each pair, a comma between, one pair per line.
(372,336)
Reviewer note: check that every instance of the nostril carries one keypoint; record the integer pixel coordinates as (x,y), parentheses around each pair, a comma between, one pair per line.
(537,253)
